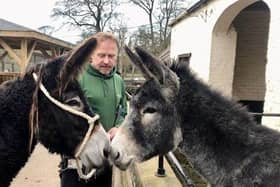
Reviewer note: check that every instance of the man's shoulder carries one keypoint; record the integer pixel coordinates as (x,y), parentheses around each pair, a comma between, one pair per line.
(118,76)
(119,80)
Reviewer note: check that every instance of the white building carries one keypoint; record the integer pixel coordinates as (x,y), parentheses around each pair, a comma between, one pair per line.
(235,47)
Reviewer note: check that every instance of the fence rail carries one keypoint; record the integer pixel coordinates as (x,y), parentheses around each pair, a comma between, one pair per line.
(266,114)
(178,169)
(4,76)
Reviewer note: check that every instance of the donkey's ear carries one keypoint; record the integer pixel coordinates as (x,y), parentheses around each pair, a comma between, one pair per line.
(138,62)
(168,79)
(74,63)
(152,63)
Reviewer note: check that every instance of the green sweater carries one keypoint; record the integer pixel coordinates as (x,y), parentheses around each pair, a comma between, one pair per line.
(105,94)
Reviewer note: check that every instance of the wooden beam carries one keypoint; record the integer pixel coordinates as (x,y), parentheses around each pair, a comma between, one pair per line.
(45,53)
(10,51)
(30,52)
(3,55)
(2,65)
(1,60)
(37,35)
(53,51)
(23,54)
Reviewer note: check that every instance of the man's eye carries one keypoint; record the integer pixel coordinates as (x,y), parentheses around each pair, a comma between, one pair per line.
(101,55)
(111,56)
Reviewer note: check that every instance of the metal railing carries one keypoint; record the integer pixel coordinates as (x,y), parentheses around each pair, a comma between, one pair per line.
(160,171)
(266,114)
(184,178)
(176,166)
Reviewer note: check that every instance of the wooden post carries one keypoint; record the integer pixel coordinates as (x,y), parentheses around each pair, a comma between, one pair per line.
(31,50)
(1,60)
(23,54)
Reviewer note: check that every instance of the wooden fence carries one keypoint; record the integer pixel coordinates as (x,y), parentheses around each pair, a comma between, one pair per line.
(4,76)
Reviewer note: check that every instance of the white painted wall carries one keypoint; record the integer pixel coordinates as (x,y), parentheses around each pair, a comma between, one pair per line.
(272,97)
(200,34)
(223,60)
(193,35)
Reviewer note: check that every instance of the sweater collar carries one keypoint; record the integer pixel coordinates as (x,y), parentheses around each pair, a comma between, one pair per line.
(97,73)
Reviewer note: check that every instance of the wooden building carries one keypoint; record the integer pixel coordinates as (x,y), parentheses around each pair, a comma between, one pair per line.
(20,46)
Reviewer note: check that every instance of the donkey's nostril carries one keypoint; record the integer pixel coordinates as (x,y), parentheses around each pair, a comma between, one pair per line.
(117,155)
(106,153)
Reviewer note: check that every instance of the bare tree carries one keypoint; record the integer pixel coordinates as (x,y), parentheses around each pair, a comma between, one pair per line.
(46,29)
(148,7)
(89,15)
(168,10)
(160,13)
(120,30)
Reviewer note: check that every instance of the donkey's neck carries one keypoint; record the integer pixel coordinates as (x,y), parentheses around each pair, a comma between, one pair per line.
(215,129)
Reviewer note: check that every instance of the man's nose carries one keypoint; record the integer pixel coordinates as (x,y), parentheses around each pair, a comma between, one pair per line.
(106,60)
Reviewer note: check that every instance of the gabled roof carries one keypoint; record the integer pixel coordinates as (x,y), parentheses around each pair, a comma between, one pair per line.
(12,30)
(191,9)
(196,5)
(9,26)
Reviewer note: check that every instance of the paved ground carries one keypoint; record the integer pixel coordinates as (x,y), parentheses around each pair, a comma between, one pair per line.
(41,170)
(147,172)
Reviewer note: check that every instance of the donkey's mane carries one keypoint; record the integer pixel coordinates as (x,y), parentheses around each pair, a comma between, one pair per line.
(189,80)
(212,113)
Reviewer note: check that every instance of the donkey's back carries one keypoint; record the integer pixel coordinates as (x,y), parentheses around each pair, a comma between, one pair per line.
(222,140)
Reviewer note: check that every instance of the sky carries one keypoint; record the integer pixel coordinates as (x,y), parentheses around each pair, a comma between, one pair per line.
(36,13)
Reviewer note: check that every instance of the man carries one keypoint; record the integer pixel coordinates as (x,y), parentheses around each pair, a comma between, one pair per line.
(105,91)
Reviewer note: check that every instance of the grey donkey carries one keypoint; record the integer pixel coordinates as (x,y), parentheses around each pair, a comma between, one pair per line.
(174,109)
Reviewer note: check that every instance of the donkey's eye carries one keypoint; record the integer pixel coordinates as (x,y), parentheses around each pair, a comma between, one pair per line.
(73,103)
(149,110)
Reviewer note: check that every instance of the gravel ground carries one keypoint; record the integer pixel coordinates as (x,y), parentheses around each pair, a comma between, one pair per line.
(41,170)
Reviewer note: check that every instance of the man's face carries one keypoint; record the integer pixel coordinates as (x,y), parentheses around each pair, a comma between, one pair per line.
(104,57)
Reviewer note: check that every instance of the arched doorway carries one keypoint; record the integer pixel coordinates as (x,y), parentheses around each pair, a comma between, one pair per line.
(252,27)
(239,50)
